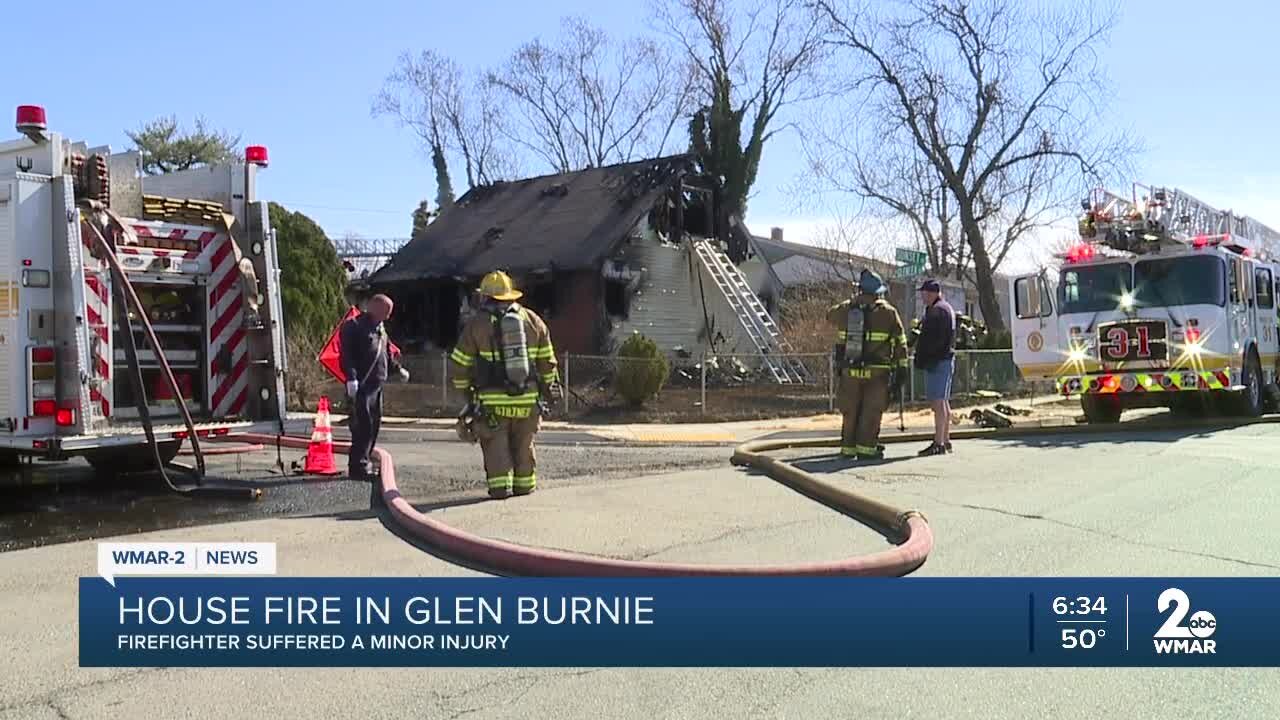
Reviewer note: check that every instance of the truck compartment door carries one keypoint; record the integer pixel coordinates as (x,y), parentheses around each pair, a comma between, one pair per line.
(1037,348)
(70,322)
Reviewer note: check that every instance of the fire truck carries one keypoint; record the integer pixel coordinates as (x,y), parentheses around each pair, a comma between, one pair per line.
(134,311)
(1165,301)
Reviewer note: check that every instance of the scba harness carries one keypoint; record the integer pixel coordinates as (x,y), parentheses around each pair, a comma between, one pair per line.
(509,368)
(850,354)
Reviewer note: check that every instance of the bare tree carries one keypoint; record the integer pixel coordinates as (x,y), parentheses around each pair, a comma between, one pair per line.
(450,113)
(998,105)
(753,59)
(905,193)
(587,101)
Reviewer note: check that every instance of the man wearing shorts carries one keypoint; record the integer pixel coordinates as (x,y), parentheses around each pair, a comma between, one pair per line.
(935,354)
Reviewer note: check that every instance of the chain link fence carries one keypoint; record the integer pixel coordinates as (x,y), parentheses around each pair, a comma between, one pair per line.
(721,388)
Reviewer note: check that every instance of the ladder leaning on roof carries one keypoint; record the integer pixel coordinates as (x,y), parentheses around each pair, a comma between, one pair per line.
(763,331)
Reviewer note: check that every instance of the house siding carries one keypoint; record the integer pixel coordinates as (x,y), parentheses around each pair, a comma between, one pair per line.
(667,307)
(661,308)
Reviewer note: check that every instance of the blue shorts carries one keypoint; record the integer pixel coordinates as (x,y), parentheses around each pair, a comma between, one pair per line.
(937,380)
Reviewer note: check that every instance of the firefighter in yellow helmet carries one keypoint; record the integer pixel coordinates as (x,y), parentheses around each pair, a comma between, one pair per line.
(871,360)
(504,361)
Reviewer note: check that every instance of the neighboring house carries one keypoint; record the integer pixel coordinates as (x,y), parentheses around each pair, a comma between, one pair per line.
(600,253)
(779,266)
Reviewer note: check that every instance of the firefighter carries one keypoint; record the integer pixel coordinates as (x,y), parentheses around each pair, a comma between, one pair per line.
(871,359)
(504,361)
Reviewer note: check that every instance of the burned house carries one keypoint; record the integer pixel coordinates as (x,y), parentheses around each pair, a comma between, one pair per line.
(601,253)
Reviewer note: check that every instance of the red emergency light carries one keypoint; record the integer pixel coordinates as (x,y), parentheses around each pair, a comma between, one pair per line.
(44,408)
(256,155)
(31,119)
(1080,253)
(65,417)
(43,354)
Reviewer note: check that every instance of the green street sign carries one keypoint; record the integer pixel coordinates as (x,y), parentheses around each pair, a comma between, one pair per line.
(907,271)
(907,256)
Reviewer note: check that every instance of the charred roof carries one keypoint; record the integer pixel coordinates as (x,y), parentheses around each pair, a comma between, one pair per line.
(564,222)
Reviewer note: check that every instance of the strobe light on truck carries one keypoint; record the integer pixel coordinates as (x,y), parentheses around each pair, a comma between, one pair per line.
(198,298)
(1165,300)
(42,387)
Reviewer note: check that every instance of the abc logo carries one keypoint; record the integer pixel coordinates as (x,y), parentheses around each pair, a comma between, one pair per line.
(1202,624)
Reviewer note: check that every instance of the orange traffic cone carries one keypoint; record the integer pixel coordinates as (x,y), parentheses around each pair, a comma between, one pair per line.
(320,459)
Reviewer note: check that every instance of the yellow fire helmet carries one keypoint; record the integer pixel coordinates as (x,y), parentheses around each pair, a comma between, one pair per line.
(498,285)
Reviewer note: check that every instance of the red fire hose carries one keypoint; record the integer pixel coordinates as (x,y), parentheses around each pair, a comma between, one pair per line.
(908,529)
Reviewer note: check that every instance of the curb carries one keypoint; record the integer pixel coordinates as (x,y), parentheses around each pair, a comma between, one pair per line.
(774,442)
(907,529)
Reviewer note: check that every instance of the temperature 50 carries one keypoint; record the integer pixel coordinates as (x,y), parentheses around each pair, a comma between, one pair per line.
(1084,638)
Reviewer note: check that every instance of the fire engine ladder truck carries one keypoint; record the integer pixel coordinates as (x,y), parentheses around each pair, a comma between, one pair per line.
(763,331)
(1168,215)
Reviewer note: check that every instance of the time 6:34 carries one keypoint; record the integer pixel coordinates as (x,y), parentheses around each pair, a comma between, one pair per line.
(1079,606)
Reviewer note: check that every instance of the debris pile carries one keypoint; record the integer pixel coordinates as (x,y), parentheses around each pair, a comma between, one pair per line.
(998,416)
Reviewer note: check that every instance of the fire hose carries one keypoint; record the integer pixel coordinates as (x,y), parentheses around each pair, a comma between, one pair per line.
(907,530)
(126,297)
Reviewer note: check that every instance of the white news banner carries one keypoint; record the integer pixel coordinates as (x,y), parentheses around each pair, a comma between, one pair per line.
(162,558)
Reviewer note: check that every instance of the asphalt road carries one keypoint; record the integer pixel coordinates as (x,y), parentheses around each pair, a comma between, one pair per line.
(1154,504)
(52,503)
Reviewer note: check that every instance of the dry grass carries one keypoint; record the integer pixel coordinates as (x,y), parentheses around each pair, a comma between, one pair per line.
(307,380)
(804,316)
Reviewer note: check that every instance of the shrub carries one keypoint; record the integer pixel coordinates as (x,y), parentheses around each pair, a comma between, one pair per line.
(642,370)
(307,380)
(996,341)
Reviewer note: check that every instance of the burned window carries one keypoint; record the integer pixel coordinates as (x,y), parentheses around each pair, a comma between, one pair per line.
(620,285)
(617,301)
(542,299)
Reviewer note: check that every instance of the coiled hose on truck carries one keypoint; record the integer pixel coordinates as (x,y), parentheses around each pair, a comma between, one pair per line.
(127,297)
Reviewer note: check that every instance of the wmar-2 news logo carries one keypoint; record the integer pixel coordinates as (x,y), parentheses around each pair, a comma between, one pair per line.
(1174,638)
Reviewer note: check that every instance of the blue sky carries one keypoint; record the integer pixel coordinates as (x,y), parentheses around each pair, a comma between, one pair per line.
(1197,82)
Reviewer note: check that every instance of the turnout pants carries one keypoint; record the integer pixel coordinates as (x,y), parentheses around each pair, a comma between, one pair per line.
(510,465)
(365,422)
(862,399)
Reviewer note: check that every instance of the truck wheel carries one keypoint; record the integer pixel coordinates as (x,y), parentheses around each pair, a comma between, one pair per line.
(1248,402)
(135,459)
(1101,409)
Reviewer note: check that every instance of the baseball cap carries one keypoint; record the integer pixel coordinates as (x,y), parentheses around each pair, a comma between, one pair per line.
(930,286)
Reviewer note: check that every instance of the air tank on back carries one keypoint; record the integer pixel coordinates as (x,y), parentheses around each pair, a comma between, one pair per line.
(515,347)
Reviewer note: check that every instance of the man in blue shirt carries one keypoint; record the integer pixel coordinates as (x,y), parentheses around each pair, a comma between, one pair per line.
(935,354)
